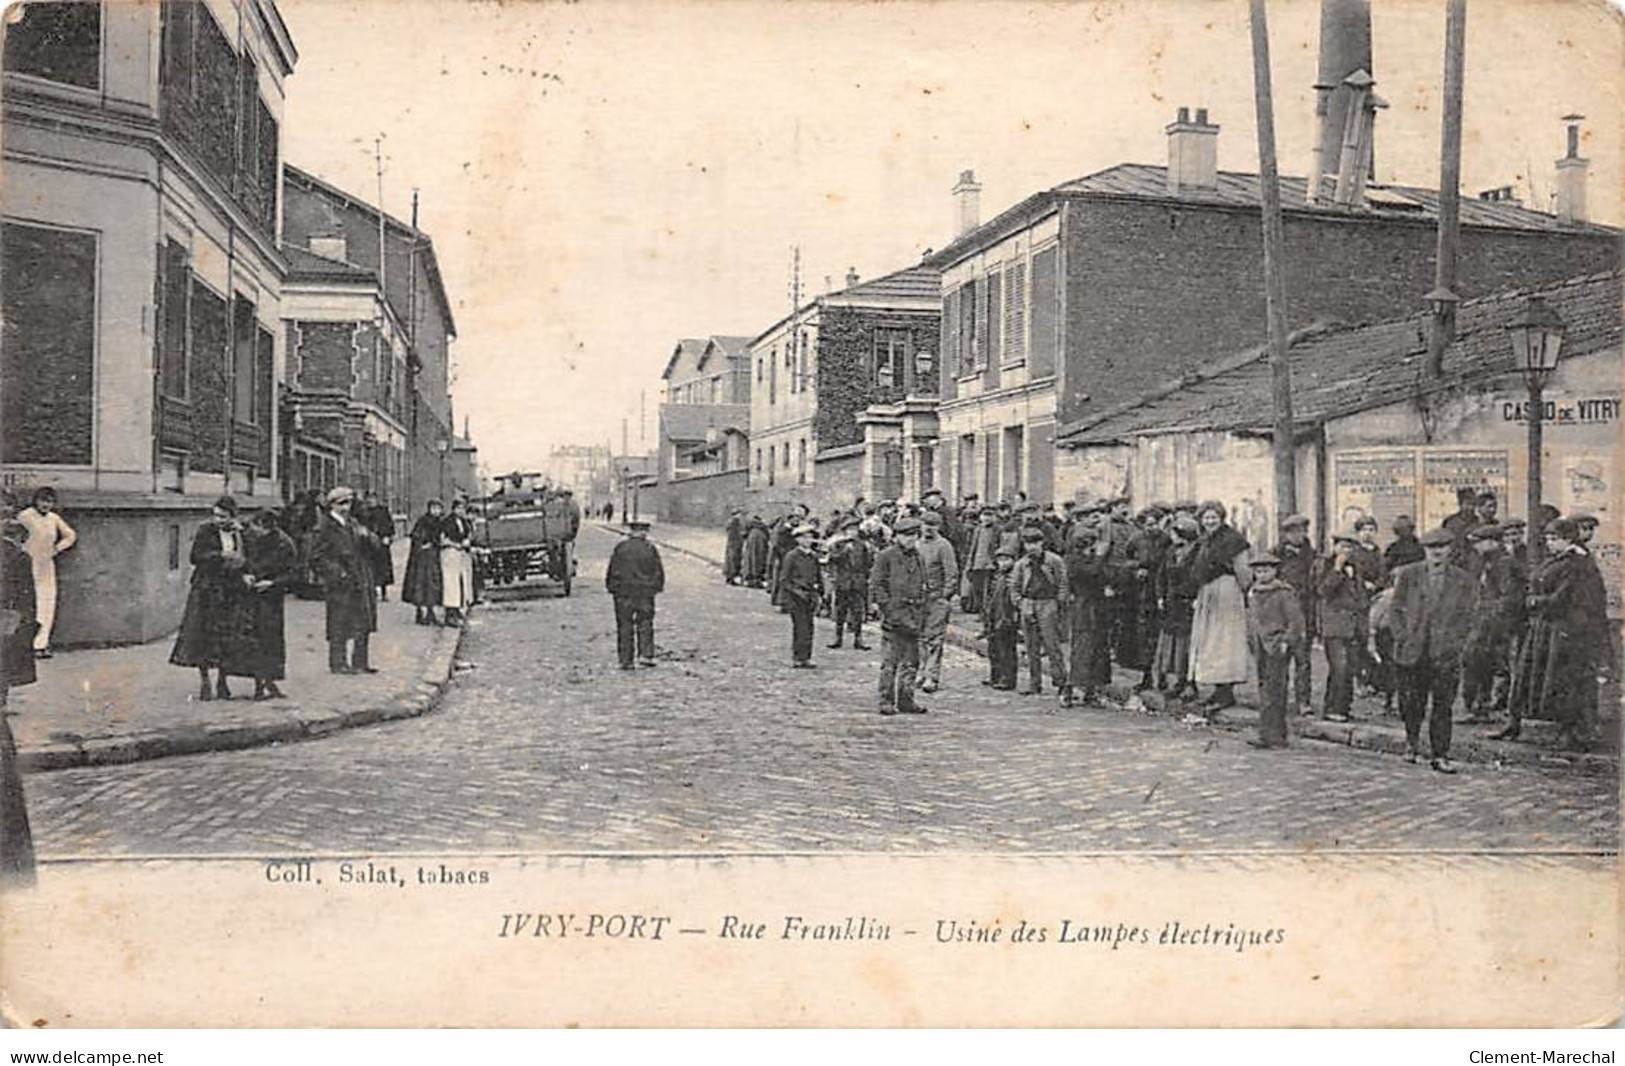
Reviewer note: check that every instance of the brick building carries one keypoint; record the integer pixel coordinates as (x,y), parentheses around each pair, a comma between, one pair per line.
(368,400)
(816,373)
(142,283)
(1090,292)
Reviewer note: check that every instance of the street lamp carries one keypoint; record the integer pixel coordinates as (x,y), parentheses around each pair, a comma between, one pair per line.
(626,474)
(1537,335)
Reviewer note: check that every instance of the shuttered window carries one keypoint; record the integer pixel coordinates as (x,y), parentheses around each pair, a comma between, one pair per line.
(992,331)
(1015,313)
(949,365)
(1045,304)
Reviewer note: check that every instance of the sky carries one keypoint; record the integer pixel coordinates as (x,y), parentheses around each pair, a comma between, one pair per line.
(603,178)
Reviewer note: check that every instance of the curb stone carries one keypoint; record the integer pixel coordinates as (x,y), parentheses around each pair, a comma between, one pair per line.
(419,698)
(1358,735)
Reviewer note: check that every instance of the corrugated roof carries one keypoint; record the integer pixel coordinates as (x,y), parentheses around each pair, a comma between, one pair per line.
(689,421)
(1345,370)
(1144,181)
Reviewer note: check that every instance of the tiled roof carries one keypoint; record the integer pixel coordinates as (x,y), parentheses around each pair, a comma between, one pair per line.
(731,348)
(910,283)
(1142,181)
(304,263)
(693,347)
(689,421)
(1339,371)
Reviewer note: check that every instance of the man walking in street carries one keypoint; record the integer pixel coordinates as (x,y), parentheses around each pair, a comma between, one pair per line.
(799,589)
(634,578)
(1040,584)
(941,578)
(851,559)
(897,589)
(1430,615)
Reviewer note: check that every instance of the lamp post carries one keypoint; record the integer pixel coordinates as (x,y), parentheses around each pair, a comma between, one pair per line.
(443,446)
(626,473)
(1537,335)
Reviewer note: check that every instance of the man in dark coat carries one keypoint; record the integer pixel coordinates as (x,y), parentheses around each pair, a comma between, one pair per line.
(17,628)
(339,555)
(851,559)
(1405,548)
(1462,522)
(1088,572)
(1343,608)
(1296,558)
(897,589)
(375,516)
(216,625)
(1430,616)
(733,552)
(1146,552)
(634,578)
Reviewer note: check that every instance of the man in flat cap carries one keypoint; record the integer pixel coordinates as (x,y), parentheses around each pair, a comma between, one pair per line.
(1430,617)
(634,577)
(339,555)
(800,588)
(897,589)
(941,579)
(1039,581)
(851,558)
(1498,591)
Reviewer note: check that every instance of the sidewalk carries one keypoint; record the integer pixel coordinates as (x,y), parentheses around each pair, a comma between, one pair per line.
(1372,730)
(119,705)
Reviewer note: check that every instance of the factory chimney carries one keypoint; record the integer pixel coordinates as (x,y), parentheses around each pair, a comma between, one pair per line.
(967,203)
(1345,107)
(1571,177)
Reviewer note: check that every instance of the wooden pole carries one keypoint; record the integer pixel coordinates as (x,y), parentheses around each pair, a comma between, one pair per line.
(1444,272)
(1269,184)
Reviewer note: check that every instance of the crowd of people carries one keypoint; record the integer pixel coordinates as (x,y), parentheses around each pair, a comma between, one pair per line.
(1177,595)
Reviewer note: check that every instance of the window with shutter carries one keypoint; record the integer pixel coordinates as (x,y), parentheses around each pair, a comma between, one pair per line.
(993,349)
(1044,300)
(1015,313)
(969,297)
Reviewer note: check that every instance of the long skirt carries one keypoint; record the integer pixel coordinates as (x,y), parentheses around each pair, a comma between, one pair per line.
(217,629)
(1173,654)
(456,578)
(1218,652)
(1556,677)
(422,585)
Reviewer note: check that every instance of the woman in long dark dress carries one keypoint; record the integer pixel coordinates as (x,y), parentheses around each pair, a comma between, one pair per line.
(380,522)
(273,567)
(422,585)
(1557,670)
(217,627)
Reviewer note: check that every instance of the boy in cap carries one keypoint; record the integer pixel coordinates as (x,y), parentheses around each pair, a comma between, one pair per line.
(1297,558)
(634,578)
(800,587)
(1275,626)
(1344,610)
(1429,616)
(850,559)
(1001,617)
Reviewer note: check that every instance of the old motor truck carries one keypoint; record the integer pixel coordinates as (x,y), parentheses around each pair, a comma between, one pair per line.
(525,529)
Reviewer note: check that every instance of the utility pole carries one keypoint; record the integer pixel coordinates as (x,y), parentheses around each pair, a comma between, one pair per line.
(1269,185)
(1444,297)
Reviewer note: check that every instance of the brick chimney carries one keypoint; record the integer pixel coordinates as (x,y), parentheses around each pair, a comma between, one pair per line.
(329,245)
(1571,177)
(967,203)
(1193,152)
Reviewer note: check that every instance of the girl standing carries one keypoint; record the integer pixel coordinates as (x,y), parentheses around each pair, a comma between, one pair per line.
(1219,652)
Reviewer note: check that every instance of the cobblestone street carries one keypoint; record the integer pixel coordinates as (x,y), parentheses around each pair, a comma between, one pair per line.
(542,744)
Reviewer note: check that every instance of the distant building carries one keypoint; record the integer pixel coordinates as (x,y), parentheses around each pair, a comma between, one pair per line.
(369,381)
(704,421)
(142,285)
(814,374)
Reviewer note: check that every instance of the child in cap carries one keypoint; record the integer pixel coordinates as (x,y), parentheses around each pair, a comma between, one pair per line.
(1275,625)
(1001,619)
